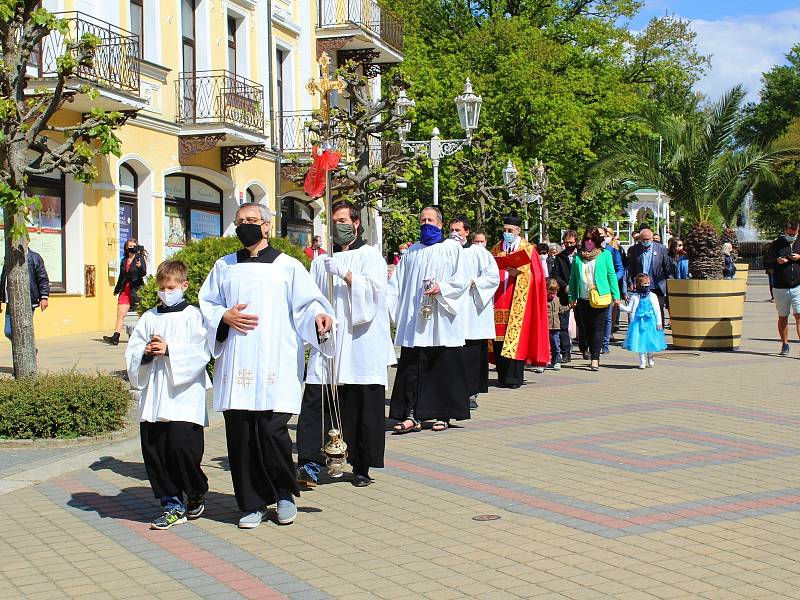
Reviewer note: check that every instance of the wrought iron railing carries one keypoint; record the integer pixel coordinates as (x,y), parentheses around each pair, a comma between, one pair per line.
(219,97)
(364,13)
(116,58)
(294,136)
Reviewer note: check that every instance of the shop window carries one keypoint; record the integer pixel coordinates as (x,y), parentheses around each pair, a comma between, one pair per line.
(192,211)
(297,221)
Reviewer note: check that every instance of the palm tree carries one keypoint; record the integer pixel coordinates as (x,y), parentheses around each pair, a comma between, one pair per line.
(698,166)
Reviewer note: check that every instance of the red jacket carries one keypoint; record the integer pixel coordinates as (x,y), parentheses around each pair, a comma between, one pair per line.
(310,252)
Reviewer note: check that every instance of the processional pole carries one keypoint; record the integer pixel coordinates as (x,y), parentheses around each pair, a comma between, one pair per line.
(335,449)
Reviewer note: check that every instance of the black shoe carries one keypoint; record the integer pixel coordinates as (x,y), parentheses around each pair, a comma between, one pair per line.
(168,519)
(112,339)
(585,356)
(565,359)
(361,481)
(195,507)
(304,477)
(473,404)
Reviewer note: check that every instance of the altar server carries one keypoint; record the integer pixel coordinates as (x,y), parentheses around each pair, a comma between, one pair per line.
(424,296)
(477,317)
(260,307)
(166,358)
(364,351)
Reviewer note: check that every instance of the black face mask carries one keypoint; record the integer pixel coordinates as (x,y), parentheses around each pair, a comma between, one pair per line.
(131,250)
(249,234)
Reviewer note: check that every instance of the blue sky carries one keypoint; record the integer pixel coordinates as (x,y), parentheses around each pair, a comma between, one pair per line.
(744,38)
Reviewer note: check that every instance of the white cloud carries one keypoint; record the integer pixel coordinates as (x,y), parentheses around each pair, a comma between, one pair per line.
(744,47)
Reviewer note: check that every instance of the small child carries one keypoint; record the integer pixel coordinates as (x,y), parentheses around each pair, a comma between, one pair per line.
(167,356)
(645,331)
(554,311)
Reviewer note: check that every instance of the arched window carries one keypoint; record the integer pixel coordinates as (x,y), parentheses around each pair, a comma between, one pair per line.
(128,196)
(251,197)
(192,211)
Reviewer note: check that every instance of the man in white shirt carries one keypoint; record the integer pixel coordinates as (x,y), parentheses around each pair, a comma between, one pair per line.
(477,317)
(260,307)
(424,296)
(364,351)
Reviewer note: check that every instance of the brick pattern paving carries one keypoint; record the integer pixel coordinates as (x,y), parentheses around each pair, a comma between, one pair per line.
(674,482)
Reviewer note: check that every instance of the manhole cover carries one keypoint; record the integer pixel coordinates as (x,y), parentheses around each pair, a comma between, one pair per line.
(486,518)
(672,354)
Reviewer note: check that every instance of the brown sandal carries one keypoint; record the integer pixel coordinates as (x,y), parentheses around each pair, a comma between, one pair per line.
(440,426)
(401,427)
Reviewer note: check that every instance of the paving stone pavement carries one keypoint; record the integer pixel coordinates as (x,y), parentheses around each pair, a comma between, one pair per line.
(674,482)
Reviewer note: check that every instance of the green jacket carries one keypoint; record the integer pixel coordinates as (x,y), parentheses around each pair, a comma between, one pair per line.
(605,278)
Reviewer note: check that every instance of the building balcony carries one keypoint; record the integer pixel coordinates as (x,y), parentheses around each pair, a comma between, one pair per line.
(220,105)
(114,72)
(361,25)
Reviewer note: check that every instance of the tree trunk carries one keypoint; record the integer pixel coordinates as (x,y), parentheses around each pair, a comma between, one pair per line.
(18,297)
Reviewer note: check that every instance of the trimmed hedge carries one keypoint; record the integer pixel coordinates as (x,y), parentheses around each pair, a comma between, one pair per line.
(200,256)
(62,405)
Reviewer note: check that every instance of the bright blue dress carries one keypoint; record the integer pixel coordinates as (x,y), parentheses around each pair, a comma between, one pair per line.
(643,333)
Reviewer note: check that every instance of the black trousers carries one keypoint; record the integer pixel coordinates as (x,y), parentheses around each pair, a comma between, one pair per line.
(172,453)
(431,384)
(260,456)
(662,300)
(362,411)
(477,356)
(509,371)
(593,321)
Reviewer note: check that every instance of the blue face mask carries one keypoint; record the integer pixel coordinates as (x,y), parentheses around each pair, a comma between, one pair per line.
(509,237)
(429,234)
(647,244)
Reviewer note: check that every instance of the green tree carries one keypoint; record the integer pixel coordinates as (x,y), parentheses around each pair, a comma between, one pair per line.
(559,82)
(699,167)
(26,124)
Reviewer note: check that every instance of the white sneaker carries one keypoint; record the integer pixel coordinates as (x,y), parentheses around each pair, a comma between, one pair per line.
(651,362)
(251,520)
(643,365)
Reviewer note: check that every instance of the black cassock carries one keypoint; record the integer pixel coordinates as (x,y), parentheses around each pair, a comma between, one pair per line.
(362,415)
(477,352)
(509,371)
(431,383)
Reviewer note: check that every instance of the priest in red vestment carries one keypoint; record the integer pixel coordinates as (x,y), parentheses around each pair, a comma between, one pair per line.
(520,307)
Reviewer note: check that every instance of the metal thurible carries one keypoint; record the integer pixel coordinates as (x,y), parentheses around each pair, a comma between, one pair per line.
(426,305)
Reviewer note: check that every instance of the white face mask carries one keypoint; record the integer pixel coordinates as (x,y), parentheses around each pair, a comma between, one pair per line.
(480,244)
(170,297)
(608,239)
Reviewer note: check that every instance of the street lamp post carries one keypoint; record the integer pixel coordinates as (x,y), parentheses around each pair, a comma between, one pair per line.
(468,106)
(534,193)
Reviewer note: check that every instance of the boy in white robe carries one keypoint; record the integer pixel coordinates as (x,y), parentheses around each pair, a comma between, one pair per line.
(166,357)
(364,351)
(477,316)
(260,307)
(431,373)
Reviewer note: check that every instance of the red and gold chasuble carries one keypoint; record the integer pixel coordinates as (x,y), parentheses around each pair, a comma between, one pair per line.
(520,307)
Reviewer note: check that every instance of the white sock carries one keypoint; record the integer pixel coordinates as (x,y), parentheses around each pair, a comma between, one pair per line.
(643,358)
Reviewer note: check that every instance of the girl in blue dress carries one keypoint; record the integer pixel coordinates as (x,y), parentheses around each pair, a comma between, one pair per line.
(646,331)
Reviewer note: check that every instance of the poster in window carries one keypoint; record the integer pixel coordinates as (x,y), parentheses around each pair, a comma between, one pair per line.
(205,223)
(299,234)
(46,232)
(125,225)
(174,230)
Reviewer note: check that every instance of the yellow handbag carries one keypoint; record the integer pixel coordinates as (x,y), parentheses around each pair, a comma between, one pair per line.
(596,299)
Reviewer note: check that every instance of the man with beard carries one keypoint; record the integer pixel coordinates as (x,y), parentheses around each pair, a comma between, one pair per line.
(424,296)
(364,351)
(477,316)
(260,307)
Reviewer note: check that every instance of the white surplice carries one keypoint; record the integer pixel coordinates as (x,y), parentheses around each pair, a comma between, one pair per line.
(439,261)
(262,369)
(364,348)
(477,316)
(173,386)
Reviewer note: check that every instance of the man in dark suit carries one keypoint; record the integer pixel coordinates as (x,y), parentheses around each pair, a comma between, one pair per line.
(39,286)
(650,257)
(560,272)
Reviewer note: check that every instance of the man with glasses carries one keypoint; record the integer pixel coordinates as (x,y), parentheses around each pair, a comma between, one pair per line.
(561,272)
(260,307)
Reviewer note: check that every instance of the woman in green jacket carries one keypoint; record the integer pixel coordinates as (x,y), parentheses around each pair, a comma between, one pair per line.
(592,268)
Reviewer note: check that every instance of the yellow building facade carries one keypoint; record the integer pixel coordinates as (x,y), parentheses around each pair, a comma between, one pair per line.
(215,90)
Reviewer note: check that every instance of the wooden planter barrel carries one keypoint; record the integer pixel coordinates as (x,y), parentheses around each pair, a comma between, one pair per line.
(706,314)
(742,270)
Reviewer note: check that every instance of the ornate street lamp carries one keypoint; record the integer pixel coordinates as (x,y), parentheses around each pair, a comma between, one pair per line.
(528,194)
(468,106)
(510,174)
